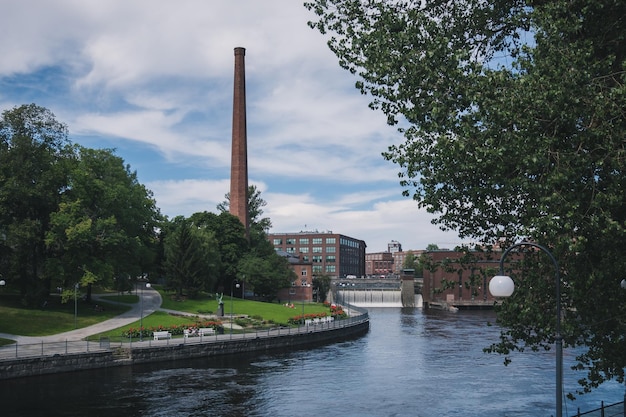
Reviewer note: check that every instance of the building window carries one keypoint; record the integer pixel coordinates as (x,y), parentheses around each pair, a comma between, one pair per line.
(317,249)
(317,240)
(291,241)
(331,249)
(330,268)
(317,259)
(305,258)
(303,272)
(304,250)
(304,240)
(330,258)
(317,269)
(331,240)
(290,250)
(278,241)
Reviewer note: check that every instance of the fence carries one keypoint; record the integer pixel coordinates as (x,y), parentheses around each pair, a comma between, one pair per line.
(612,410)
(41,349)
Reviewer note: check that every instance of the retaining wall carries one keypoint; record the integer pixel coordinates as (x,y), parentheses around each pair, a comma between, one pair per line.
(128,356)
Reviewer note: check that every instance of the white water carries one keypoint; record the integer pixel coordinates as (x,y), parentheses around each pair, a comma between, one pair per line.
(374,297)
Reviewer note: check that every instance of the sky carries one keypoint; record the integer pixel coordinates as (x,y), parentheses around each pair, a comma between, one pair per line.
(153,80)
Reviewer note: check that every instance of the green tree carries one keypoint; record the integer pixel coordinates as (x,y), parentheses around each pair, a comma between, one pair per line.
(266,275)
(255,209)
(34,163)
(105,225)
(513,119)
(321,286)
(191,258)
(231,241)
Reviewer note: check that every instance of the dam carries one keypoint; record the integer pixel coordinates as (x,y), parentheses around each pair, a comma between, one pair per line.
(372,293)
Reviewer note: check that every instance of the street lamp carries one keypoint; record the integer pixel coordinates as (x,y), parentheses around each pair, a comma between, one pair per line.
(141,315)
(75,305)
(231,306)
(503,286)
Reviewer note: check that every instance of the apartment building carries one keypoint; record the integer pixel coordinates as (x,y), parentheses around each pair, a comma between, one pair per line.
(331,254)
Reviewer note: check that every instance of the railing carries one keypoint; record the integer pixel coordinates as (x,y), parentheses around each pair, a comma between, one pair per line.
(40,349)
(612,410)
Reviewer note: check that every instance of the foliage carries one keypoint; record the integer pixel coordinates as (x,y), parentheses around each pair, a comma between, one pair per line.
(104,211)
(191,258)
(255,205)
(34,157)
(514,126)
(266,275)
(174,329)
(321,286)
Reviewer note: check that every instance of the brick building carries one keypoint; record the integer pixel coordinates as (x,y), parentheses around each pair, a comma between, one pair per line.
(379,263)
(331,254)
(458,279)
(302,287)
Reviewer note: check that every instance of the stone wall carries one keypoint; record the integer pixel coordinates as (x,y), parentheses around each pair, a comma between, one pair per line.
(125,356)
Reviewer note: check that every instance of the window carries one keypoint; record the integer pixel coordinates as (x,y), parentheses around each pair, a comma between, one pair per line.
(330,258)
(291,250)
(291,241)
(331,241)
(305,258)
(304,240)
(317,249)
(278,241)
(304,250)
(317,259)
(303,272)
(330,249)
(317,240)
(317,269)
(330,268)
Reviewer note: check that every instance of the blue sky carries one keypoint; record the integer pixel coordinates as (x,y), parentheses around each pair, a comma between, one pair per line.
(154,80)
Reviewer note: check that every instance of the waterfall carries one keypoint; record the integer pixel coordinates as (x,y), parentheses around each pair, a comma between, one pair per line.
(375,297)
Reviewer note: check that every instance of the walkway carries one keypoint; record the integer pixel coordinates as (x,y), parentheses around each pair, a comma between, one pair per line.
(151,303)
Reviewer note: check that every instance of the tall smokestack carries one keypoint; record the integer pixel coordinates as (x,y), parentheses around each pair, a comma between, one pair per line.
(239,162)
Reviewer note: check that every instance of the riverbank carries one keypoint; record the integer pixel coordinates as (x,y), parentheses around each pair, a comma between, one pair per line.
(105,355)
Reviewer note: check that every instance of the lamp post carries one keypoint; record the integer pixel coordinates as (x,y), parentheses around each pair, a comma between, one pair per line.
(231,306)
(75,305)
(502,286)
(141,314)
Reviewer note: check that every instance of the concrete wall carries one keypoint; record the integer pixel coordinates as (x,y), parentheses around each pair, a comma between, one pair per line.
(125,356)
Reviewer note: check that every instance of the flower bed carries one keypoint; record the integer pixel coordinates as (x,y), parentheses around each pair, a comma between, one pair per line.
(135,332)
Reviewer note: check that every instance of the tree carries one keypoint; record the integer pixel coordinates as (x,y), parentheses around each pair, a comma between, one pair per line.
(105,225)
(191,258)
(321,286)
(514,126)
(34,164)
(266,275)
(255,205)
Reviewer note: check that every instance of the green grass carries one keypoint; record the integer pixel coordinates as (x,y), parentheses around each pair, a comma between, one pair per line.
(54,318)
(58,318)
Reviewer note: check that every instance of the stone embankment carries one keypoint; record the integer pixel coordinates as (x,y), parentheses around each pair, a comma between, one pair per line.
(127,354)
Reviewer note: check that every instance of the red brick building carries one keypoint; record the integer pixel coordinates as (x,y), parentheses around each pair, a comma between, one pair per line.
(331,254)
(302,287)
(379,264)
(458,279)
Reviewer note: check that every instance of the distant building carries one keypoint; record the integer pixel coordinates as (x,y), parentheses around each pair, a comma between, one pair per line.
(331,254)
(302,287)
(399,257)
(394,246)
(459,279)
(379,263)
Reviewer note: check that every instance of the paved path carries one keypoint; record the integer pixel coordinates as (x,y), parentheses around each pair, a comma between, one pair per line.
(150,298)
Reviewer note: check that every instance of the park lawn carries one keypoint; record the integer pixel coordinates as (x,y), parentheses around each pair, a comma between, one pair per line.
(53,318)
(271,312)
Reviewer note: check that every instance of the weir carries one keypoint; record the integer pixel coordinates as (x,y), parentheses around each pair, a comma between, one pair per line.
(374,297)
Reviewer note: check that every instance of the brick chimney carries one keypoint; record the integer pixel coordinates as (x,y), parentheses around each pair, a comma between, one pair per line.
(239,161)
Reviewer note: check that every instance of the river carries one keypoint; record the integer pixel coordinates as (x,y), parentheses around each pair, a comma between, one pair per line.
(411,363)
